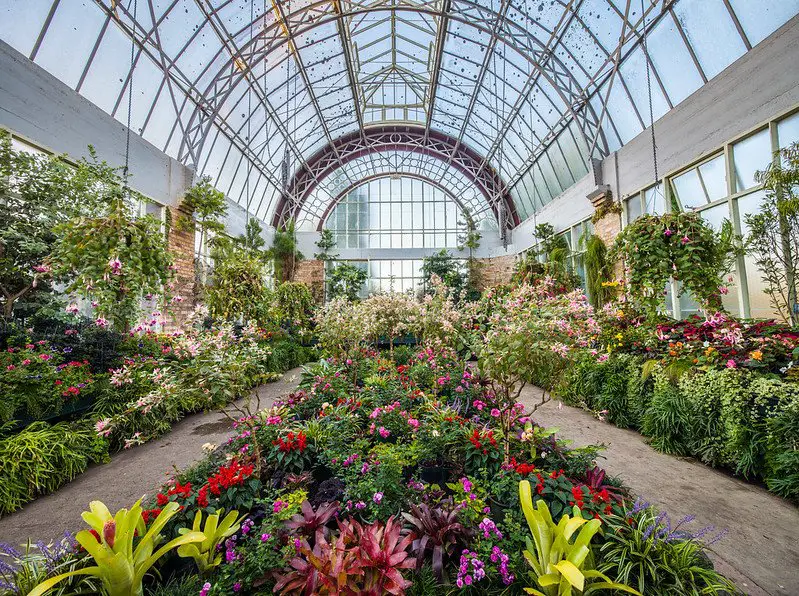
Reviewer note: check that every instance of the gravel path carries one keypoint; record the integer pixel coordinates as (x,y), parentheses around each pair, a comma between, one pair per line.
(130,474)
(761,551)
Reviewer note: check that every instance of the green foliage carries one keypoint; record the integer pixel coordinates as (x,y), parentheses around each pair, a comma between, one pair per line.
(237,291)
(559,555)
(679,246)
(444,266)
(114,258)
(203,209)
(598,272)
(648,554)
(37,193)
(284,253)
(206,555)
(326,244)
(252,240)
(293,305)
(774,233)
(42,458)
(346,280)
(122,547)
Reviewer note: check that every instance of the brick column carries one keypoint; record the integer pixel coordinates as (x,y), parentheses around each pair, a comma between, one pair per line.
(607,221)
(181,245)
(312,274)
(495,271)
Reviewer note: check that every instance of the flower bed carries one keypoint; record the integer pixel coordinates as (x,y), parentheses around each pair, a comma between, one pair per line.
(720,389)
(161,379)
(377,477)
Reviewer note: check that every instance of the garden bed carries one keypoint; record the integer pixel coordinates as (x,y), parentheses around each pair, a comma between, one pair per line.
(334,485)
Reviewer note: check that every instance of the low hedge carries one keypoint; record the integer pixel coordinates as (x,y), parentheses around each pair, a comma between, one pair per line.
(729,418)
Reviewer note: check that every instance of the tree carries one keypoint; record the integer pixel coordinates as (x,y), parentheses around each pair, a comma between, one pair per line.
(774,233)
(204,208)
(443,265)
(284,253)
(37,193)
(470,239)
(252,239)
(326,244)
(346,280)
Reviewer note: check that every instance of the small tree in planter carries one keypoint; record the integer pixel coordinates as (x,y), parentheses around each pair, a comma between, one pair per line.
(114,258)
(284,253)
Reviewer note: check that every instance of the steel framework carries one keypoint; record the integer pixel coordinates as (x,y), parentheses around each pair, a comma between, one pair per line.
(243,84)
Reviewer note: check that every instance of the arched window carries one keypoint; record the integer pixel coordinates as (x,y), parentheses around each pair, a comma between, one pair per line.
(397,212)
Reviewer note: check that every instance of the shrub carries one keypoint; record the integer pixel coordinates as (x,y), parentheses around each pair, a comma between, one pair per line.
(42,458)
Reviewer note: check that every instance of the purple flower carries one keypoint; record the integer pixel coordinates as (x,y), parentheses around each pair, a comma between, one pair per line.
(378,496)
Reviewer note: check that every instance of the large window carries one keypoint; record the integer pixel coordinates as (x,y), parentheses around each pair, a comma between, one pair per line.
(396,212)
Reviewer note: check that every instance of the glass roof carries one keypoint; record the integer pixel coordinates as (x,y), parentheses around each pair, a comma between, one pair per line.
(235,88)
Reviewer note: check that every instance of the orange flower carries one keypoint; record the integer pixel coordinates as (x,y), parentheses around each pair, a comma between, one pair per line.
(756,355)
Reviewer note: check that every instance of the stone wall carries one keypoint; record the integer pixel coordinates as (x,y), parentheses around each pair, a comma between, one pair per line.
(312,274)
(181,244)
(495,271)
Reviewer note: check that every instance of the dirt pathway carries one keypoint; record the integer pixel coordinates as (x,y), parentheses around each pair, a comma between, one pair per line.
(761,551)
(130,474)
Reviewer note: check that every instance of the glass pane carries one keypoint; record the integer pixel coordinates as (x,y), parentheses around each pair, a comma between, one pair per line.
(654,200)
(689,191)
(759,19)
(711,33)
(749,156)
(759,302)
(714,177)
(634,208)
(788,130)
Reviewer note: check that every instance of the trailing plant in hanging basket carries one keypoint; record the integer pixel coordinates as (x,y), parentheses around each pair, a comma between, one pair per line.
(678,246)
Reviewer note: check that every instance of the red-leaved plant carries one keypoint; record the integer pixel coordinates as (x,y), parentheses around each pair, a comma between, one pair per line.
(439,532)
(361,560)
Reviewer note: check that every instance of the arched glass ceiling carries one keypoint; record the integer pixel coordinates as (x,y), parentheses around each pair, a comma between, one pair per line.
(536,87)
(379,164)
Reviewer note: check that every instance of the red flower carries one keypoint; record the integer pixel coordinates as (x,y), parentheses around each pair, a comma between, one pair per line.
(202,497)
(162,499)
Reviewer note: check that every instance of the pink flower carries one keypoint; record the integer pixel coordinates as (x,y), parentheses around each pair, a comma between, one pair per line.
(495,412)
(26,362)
(685,239)
(668,233)
(101,322)
(724,290)
(377,497)
(10,367)
(384,432)
(116,266)
(731,363)
(413,422)
(72,309)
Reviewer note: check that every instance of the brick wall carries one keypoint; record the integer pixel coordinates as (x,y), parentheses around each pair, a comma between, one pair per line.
(495,271)
(181,244)
(607,229)
(312,274)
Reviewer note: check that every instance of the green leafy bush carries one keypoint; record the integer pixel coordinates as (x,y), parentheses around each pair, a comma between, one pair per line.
(42,458)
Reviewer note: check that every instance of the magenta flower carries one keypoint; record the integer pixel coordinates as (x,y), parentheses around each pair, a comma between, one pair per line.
(378,496)
(731,363)
(668,233)
(685,239)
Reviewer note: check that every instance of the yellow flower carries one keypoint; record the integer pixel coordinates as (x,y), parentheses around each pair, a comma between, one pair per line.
(709,351)
(757,355)
(619,336)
